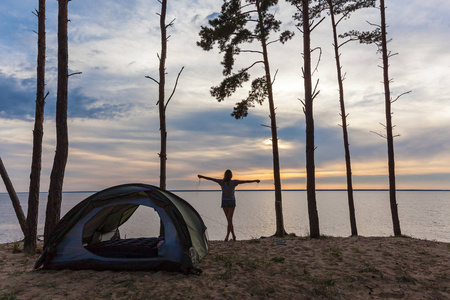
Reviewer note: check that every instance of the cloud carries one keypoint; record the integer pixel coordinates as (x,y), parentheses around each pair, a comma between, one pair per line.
(114,126)
(85,107)
(17,97)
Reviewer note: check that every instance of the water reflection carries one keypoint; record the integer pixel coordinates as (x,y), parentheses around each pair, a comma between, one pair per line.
(422,214)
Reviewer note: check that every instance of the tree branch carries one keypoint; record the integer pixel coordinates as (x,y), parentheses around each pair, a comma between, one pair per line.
(317,24)
(342,18)
(174,88)
(253,64)
(376,25)
(76,73)
(246,5)
(303,103)
(349,40)
(274,76)
(152,79)
(402,94)
(379,134)
(170,23)
(315,92)
(318,60)
(45,97)
(251,51)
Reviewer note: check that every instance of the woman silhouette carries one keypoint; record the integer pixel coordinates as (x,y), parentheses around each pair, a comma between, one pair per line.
(228,198)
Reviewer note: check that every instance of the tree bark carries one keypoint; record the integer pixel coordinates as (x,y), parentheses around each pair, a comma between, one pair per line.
(62,144)
(389,134)
(38,132)
(351,204)
(280,231)
(161,101)
(162,105)
(14,199)
(310,147)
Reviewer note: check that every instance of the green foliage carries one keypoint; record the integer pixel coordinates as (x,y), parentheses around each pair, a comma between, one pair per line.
(16,248)
(228,264)
(278,259)
(240,24)
(8,296)
(333,252)
(257,94)
(229,85)
(228,31)
(340,7)
(286,36)
(220,257)
(346,7)
(257,263)
(364,37)
(315,10)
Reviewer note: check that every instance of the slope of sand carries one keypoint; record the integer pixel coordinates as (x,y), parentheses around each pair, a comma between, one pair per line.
(326,268)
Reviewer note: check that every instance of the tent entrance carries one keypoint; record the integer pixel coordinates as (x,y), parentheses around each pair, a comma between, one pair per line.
(98,233)
(123,231)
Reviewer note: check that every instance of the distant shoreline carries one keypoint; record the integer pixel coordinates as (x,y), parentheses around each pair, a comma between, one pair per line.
(267,190)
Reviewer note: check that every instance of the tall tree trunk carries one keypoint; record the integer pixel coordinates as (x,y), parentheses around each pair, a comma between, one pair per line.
(308,109)
(62,144)
(280,231)
(38,132)
(351,204)
(389,134)
(14,199)
(162,105)
(161,101)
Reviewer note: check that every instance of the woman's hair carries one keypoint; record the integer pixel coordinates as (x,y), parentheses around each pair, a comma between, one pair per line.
(228,175)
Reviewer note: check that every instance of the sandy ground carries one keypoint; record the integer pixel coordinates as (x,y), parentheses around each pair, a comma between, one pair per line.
(326,268)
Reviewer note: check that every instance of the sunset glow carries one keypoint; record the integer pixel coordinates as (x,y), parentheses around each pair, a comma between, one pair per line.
(113,117)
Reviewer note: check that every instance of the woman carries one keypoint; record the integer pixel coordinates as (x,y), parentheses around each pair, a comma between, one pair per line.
(228,199)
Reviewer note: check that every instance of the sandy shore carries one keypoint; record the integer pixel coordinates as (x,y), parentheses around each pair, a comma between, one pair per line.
(326,268)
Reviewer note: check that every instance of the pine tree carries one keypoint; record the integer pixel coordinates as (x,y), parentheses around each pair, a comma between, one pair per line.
(306,16)
(162,102)
(379,38)
(230,30)
(38,132)
(344,8)
(53,212)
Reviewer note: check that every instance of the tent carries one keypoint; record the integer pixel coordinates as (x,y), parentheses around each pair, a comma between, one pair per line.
(88,236)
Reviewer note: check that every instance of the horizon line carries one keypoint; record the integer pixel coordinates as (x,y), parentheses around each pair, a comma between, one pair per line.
(266,190)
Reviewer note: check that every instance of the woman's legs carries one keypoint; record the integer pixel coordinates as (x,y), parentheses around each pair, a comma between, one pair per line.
(229,211)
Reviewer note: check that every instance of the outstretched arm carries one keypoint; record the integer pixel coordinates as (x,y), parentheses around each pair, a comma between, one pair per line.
(209,178)
(248,181)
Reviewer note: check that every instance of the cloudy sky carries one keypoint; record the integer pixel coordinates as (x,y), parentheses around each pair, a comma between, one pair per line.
(113,126)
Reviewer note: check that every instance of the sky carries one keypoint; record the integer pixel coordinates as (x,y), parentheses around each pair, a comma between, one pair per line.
(113,117)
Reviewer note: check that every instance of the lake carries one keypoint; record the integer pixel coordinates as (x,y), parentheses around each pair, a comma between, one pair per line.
(423,214)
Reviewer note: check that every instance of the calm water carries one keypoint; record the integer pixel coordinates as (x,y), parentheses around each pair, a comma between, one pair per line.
(423,214)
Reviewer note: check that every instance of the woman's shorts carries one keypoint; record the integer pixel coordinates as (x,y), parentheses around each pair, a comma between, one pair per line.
(228,203)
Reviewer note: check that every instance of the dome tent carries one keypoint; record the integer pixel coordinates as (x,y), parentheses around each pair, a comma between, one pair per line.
(87,236)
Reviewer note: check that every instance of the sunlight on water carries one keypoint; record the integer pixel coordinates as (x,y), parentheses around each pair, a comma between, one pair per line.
(422,214)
